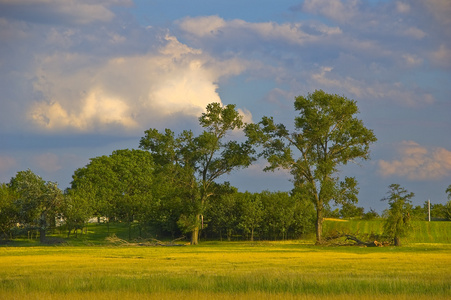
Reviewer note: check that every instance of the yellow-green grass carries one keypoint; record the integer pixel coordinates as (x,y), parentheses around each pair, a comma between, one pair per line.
(213,270)
(422,231)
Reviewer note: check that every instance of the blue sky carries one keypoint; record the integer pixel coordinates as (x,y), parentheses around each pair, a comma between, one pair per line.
(81,79)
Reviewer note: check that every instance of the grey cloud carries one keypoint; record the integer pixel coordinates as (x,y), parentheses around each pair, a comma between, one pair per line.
(58,11)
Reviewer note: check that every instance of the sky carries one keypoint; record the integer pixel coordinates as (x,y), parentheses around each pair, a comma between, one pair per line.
(80,79)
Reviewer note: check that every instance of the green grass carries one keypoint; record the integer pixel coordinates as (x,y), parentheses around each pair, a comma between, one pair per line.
(422,231)
(214,270)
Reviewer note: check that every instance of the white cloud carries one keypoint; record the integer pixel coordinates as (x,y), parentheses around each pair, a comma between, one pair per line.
(418,162)
(341,11)
(203,26)
(239,31)
(127,91)
(392,92)
(97,109)
(246,114)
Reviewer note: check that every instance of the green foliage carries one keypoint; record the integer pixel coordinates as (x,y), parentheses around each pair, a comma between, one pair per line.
(350,210)
(8,212)
(251,213)
(118,186)
(76,208)
(266,215)
(397,224)
(198,161)
(37,203)
(327,134)
(370,215)
(222,213)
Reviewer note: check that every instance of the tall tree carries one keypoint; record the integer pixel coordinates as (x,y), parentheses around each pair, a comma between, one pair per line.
(8,211)
(327,135)
(202,159)
(37,202)
(397,224)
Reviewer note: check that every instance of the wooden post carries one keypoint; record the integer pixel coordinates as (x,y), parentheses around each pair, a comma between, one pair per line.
(429,210)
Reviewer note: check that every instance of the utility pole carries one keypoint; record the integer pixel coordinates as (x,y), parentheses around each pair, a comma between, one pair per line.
(429,210)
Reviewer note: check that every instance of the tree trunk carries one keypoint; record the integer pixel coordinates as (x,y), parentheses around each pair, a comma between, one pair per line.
(397,241)
(319,224)
(195,232)
(42,235)
(252,234)
(195,236)
(42,227)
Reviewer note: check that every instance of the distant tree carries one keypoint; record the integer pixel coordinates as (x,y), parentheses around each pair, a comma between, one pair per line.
(251,213)
(327,134)
(398,222)
(76,208)
(438,211)
(448,204)
(370,215)
(97,183)
(167,205)
(223,211)
(120,184)
(8,210)
(202,159)
(38,202)
(304,214)
(420,213)
(350,210)
(448,210)
(279,209)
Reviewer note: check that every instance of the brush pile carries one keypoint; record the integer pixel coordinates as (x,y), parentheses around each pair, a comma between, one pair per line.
(113,239)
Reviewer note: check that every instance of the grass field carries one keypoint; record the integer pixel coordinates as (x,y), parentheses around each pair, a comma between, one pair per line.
(87,267)
(217,270)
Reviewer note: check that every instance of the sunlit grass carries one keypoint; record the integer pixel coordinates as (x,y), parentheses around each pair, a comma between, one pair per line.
(422,231)
(226,270)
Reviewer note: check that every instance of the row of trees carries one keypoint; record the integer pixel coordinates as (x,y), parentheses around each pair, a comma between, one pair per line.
(36,204)
(171,183)
(117,187)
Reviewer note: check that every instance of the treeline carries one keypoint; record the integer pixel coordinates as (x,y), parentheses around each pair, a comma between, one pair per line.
(128,187)
(118,188)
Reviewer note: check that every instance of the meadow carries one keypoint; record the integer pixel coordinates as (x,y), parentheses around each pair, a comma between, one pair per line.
(226,270)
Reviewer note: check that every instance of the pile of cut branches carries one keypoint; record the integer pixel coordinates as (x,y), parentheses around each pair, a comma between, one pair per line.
(337,238)
(113,239)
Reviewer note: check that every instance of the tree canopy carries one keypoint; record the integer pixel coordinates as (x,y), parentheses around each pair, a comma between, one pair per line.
(397,224)
(37,201)
(326,135)
(201,160)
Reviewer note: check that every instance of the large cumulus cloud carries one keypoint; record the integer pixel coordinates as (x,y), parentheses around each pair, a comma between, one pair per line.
(128,91)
